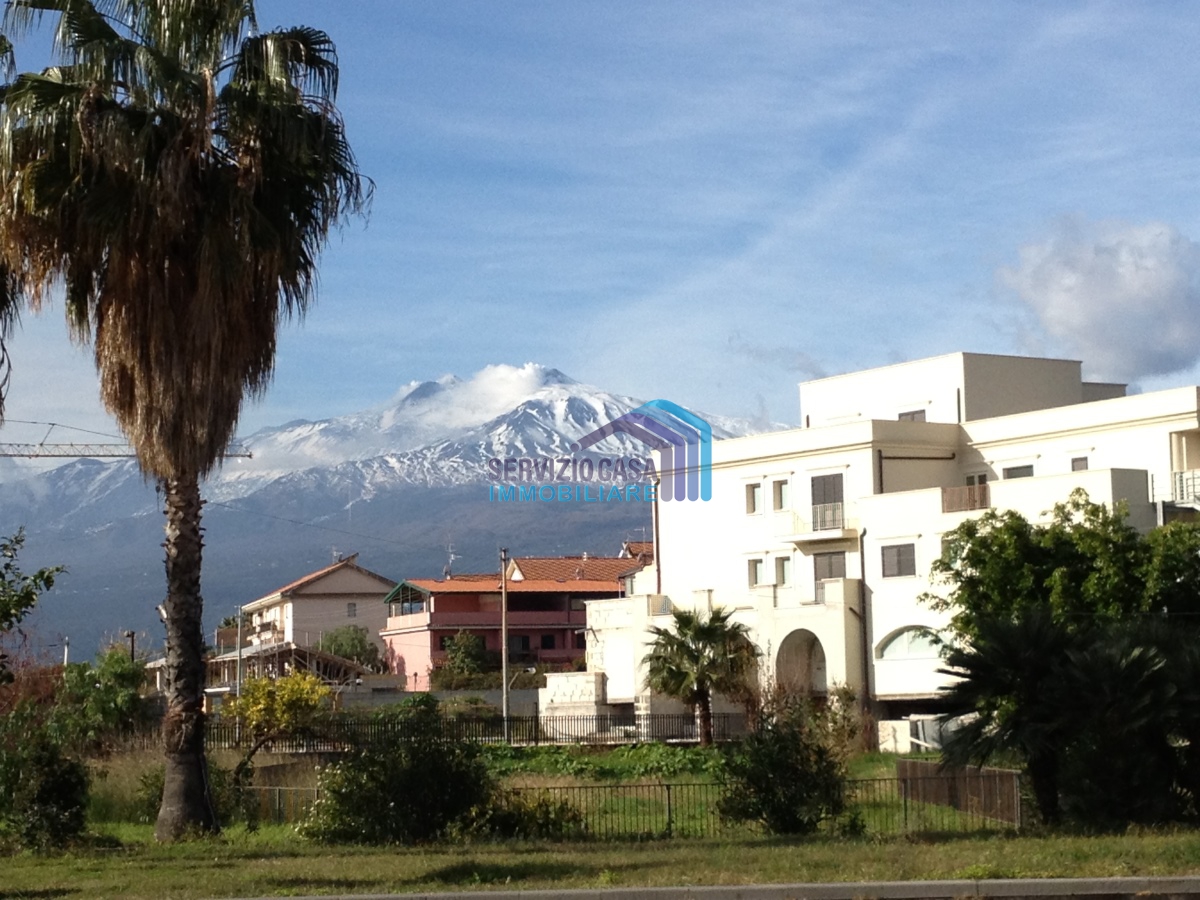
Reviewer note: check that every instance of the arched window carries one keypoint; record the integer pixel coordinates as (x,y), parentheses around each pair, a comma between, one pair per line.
(910,643)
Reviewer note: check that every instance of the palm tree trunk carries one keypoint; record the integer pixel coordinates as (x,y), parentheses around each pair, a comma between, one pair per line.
(186,802)
(706,720)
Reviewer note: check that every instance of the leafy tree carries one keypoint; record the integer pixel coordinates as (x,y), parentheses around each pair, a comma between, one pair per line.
(1085,567)
(700,656)
(18,591)
(1075,649)
(274,708)
(351,642)
(178,172)
(465,654)
(98,702)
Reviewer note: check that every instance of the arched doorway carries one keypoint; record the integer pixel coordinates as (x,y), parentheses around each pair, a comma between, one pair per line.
(800,664)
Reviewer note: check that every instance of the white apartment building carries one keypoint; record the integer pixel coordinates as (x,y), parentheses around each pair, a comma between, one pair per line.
(821,538)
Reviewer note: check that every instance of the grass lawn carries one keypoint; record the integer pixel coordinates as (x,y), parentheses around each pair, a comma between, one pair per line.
(275,862)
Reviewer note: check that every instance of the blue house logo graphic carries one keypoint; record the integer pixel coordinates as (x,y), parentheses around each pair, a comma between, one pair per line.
(683,438)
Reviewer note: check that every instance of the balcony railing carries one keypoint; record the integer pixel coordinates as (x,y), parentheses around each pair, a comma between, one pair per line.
(827,516)
(965,498)
(1185,486)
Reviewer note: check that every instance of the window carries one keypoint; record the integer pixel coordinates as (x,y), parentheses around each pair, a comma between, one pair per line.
(912,643)
(779,495)
(827,501)
(977,479)
(753,498)
(1079,464)
(351,610)
(547,642)
(1018,472)
(827,566)
(754,571)
(783,570)
(580,640)
(899,560)
(518,643)
(916,415)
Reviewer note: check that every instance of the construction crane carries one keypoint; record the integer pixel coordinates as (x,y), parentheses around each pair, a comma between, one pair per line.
(88,451)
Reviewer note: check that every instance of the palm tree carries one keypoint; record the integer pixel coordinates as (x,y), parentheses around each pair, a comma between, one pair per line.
(1012,696)
(698,657)
(177,174)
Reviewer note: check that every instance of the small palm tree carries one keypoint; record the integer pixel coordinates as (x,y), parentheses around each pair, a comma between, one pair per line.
(1012,696)
(700,656)
(176,174)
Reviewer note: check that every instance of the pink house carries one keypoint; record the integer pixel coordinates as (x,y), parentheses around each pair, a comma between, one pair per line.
(546,614)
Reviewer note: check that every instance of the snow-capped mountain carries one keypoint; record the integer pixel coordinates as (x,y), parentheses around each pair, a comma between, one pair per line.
(400,483)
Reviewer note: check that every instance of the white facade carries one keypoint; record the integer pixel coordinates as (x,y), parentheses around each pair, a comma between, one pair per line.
(821,538)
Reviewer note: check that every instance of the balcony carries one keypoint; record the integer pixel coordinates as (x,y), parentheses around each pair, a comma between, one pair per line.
(1185,487)
(659,605)
(828,522)
(966,498)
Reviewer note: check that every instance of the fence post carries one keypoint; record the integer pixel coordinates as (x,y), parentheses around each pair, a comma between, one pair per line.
(669,823)
(904,793)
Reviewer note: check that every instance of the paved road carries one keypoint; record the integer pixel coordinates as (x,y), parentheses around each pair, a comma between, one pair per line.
(1008,889)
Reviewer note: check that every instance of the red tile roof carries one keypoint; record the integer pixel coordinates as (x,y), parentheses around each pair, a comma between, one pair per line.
(569,568)
(643,551)
(568,586)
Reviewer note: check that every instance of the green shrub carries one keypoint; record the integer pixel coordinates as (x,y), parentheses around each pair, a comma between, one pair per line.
(43,792)
(526,816)
(232,802)
(785,774)
(414,791)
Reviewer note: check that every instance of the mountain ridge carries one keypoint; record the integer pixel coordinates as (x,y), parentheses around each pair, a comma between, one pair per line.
(404,478)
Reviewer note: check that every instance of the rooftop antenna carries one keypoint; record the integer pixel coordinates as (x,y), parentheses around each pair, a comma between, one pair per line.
(451,557)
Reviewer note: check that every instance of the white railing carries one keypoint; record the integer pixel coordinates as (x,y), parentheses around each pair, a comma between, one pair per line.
(659,605)
(827,516)
(1185,486)
(965,498)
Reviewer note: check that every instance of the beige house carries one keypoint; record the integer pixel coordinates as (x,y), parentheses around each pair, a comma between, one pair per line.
(302,612)
(821,537)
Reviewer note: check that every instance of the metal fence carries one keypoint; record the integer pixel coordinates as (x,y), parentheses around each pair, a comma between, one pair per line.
(343,732)
(878,806)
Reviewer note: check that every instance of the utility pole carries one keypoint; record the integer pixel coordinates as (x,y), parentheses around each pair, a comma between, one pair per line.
(504,639)
(132,641)
(239,654)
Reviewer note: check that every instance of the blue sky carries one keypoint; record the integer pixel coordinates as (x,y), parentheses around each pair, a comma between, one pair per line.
(709,202)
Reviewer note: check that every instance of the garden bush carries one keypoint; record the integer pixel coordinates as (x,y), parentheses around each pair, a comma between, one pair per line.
(526,816)
(787,774)
(232,802)
(410,792)
(43,792)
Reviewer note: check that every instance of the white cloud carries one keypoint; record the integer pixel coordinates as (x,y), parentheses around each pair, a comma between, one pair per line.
(1124,298)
